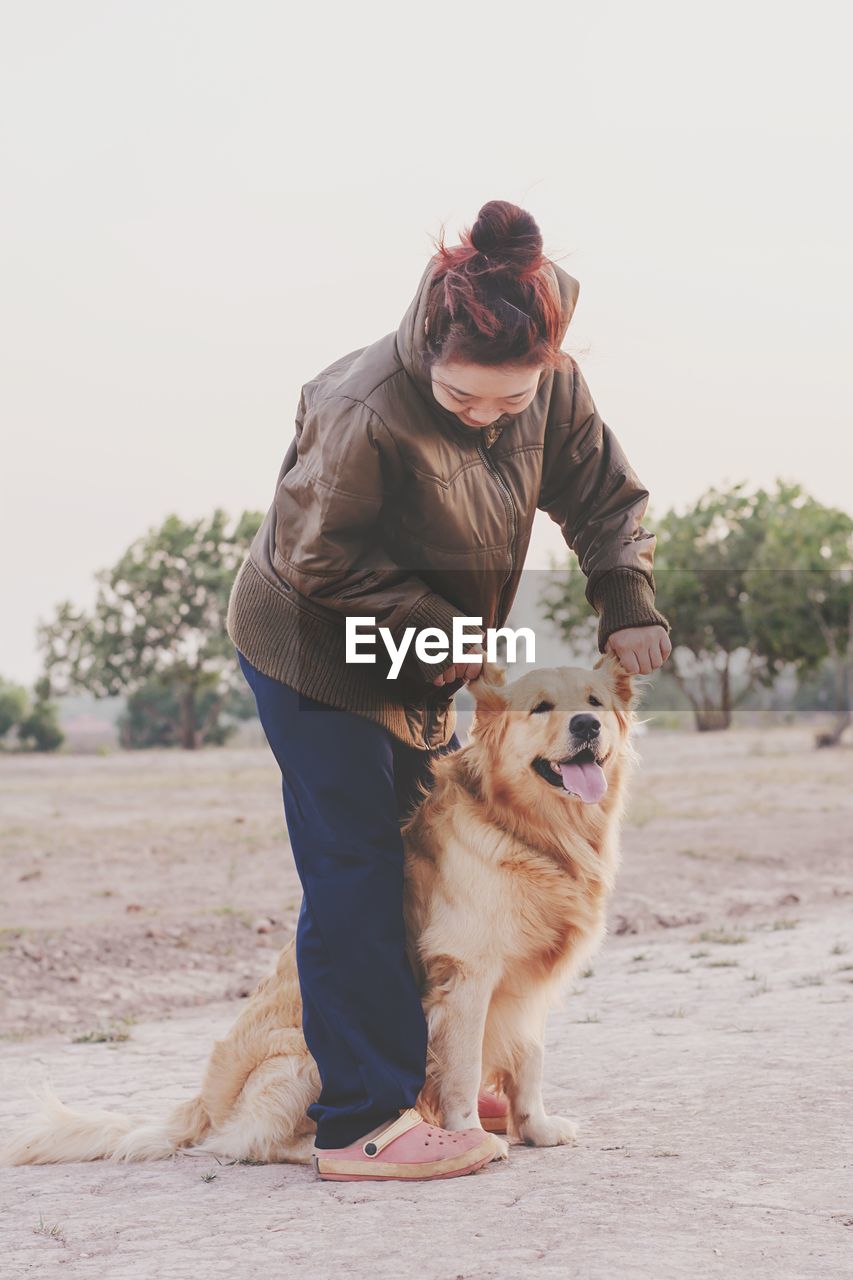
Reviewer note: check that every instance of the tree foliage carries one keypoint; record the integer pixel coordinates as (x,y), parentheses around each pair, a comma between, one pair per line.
(701,562)
(159,615)
(151,716)
(14,701)
(800,594)
(563,602)
(36,720)
(750,581)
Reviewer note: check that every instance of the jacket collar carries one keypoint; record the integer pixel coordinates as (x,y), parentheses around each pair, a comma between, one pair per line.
(411,344)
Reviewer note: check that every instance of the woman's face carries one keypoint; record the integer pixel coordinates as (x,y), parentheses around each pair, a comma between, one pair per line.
(478,394)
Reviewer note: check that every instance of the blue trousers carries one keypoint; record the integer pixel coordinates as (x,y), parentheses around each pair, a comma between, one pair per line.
(347,784)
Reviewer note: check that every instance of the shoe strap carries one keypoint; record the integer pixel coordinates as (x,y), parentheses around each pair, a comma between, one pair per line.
(406,1121)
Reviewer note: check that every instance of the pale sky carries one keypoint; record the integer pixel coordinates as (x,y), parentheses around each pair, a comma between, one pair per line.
(204,203)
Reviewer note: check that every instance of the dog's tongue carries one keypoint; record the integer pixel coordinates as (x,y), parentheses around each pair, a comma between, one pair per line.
(584,780)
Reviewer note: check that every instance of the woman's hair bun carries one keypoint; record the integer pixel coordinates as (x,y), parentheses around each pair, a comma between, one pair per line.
(508,234)
(493,298)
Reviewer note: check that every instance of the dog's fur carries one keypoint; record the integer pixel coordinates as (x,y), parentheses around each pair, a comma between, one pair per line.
(507,876)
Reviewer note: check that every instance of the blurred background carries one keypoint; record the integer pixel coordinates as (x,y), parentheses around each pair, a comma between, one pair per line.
(203,205)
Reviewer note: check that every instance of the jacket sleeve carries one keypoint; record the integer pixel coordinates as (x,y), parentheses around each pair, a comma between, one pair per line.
(327,528)
(590,490)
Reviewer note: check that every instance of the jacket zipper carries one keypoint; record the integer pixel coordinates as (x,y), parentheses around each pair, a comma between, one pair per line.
(490,466)
(428,725)
(510,505)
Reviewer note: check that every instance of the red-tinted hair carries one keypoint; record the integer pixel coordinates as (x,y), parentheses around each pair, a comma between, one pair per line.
(490,301)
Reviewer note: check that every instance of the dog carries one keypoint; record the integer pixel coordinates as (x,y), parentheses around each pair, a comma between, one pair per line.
(510,857)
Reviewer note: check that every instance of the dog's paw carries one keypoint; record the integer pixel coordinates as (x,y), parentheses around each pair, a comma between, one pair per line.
(500,1147)
(550,1131)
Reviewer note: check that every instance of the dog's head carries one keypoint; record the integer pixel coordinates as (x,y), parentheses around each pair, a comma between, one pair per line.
(559,733)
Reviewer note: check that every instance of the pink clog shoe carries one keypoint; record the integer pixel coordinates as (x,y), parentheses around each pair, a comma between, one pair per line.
(493,1112)
(407,1148)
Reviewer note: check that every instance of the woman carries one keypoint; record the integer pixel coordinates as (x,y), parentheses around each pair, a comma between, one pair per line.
(407,496)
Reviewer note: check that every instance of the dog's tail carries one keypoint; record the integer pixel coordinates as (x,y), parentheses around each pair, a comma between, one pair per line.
(55,1134)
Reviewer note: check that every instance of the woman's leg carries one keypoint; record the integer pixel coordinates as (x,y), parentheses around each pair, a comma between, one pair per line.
(362,1015)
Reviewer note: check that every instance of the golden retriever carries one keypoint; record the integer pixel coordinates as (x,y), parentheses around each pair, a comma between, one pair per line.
(510,857)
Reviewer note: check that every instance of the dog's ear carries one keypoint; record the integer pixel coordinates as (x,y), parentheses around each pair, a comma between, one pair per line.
(492,674)
(487,692)
(621,681)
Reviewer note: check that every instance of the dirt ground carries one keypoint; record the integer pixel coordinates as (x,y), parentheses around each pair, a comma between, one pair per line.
(706,1054)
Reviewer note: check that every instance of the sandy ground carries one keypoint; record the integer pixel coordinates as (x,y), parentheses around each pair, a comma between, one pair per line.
(706,1055)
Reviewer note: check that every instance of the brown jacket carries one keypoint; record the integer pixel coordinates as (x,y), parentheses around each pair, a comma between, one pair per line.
(387,506)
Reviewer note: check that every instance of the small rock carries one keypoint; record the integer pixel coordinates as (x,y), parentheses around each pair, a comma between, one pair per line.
(677,921)
(263,925)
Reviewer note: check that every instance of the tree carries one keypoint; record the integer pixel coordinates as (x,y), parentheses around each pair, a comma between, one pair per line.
(13,705)
(151,717)
(159,614)
(37,721)
(800,595)
(752,583)
(38,729)
(702,556)
(701,563)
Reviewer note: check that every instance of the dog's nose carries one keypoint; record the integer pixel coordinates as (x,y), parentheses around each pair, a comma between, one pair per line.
(585,726)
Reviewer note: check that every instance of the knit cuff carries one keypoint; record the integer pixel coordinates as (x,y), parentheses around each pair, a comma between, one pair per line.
(625,598)
(431,611)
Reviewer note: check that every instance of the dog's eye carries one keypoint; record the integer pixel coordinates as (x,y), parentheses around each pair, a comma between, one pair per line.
(593,701)
(542,706)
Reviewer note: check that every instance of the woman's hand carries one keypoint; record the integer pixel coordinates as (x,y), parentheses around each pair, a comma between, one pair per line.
(641,650)
(466,671)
